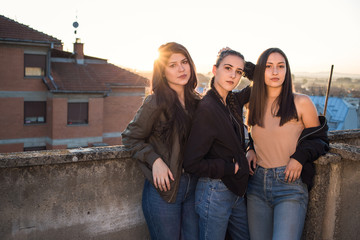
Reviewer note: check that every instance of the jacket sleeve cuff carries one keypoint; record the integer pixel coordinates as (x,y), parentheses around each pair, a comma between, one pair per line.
(229,169)
(151,158)
(299,156)
(250,145)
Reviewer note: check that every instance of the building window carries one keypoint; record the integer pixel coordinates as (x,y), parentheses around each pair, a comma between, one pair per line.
(34,112)
(39,148)
(35,65)
(77,113)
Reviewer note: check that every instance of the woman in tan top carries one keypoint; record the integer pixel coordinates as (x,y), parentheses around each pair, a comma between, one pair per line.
(280,124)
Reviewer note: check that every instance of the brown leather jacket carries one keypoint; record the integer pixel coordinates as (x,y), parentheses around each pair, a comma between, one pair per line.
(143,137)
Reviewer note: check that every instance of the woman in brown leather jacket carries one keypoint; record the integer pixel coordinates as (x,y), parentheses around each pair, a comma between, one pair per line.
(156,137)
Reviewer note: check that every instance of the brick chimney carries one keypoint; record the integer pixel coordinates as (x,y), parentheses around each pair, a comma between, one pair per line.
(79,51)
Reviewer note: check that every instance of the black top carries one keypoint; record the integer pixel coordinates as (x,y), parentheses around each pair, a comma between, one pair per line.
(214,146)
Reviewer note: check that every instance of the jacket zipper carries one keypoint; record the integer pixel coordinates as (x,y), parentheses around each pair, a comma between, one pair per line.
(317,130)
(241,141)
(239,126)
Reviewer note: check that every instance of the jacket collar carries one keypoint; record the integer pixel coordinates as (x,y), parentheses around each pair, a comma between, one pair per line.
(211,93)
(226,113)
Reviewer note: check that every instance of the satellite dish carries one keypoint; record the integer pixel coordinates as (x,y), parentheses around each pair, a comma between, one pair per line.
(75,24)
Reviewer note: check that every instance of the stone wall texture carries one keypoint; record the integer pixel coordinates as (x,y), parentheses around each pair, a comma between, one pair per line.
(95,193)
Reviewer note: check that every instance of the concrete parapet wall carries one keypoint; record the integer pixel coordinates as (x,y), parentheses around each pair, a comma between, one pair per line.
(95,193)
(82,194)
(334,206)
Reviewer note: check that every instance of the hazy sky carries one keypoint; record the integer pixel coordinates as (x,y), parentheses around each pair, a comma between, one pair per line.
(313,33)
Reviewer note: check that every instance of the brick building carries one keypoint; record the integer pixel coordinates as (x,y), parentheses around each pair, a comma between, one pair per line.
(52,99)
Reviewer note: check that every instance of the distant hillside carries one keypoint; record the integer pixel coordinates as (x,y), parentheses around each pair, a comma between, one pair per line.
(203,79)
(325,75)
(299,76)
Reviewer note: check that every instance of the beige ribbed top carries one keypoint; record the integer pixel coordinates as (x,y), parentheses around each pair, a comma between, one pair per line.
(274,144)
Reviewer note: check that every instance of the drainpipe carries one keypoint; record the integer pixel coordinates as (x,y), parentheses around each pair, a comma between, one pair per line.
(47,85)
(48,72)
(53,82)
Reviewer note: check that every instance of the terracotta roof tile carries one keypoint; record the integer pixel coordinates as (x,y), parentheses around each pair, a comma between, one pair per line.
(93,77)
(68,75)
(12,30)
(56,53)
(112,74)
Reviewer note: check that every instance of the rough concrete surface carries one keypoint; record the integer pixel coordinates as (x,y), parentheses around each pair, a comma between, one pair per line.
(80,200)
(95,193)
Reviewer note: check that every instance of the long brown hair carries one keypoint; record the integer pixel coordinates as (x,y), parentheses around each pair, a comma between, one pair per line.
(284,103)
(167,98)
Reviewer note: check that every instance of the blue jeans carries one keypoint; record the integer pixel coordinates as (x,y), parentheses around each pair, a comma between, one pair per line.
(167,221)
(276,209)
(219,210)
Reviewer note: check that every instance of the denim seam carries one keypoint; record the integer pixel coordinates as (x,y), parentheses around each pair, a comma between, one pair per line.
(150,213)
(207,211)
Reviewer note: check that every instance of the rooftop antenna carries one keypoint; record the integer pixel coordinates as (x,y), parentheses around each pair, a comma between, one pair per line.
(75,25)
(328,90)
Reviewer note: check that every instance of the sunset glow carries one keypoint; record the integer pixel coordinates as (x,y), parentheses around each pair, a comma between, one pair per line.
(313,34)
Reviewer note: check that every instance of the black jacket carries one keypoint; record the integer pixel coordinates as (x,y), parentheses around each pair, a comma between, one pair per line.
(313,142)
(214,145)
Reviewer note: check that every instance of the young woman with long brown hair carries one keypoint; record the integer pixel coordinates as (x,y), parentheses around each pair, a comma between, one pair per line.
(157,136)
(287,136)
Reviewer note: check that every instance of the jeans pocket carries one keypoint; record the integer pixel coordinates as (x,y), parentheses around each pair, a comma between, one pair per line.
(208,190)
(220,193)
(280,177)
(256,169)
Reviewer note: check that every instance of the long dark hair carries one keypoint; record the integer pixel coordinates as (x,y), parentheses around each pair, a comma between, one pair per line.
(284,104)
(167,98)
(232,103)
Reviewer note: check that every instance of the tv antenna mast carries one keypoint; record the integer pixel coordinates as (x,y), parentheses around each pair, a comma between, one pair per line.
(328,90)
(75,25)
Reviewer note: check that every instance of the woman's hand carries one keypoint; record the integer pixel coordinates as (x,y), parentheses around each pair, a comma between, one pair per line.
(161,174)
(252,159)
(292,170)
